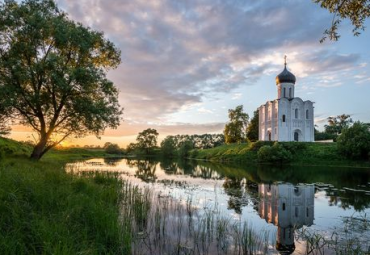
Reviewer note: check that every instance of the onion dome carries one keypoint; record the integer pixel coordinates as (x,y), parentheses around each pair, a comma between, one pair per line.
(285,76)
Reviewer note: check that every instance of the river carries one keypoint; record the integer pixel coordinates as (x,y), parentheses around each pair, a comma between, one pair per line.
(301,210)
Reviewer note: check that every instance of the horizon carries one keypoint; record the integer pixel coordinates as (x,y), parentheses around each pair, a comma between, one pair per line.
(185,64)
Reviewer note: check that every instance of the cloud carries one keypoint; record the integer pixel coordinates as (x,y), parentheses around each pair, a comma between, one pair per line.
(237,96)
(204,110)
(181,53)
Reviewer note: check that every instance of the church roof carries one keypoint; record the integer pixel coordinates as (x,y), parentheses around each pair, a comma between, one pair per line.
(285,76)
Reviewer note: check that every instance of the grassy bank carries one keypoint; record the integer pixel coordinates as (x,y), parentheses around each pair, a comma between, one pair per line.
(304,154)
(44,210)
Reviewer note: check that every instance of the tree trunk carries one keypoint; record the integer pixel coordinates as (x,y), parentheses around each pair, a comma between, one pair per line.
(39,149)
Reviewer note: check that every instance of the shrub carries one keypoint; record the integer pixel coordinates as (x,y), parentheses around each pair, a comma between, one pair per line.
(354,142)
(294,147)
(275,153)
(113,148)
(257,145)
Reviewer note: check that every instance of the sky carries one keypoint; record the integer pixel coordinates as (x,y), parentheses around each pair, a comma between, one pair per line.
(186,62)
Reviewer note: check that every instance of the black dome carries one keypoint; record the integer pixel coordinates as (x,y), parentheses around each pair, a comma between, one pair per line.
(285,249)
(285,76)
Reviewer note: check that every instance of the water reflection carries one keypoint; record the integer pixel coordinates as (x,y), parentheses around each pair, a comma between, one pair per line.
(289,207)
(259,194)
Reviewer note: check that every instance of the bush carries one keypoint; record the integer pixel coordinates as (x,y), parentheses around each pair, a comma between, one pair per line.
(257,145)
(113,148)
(294,147)
(354,142)
(275,153)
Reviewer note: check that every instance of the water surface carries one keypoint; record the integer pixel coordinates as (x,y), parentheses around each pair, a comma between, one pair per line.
(293,204)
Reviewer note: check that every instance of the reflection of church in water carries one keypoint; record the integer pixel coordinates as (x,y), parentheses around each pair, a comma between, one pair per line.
(288,207)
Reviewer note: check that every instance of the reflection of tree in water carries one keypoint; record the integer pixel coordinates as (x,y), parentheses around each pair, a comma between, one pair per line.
(204,172)
(238,197)
(169,166)
(112,161)
(145,169)
(187,166)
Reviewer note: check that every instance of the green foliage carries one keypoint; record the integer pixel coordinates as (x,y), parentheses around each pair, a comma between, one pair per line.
(320,136)
(168,147)
(235,129)
(257,145)
(354,142)
(112,148)
(185,148)
(273,154)
(253,127)
(294,147)
(131,148)
(147,140)
(357,11)
(337,123)
(53,73)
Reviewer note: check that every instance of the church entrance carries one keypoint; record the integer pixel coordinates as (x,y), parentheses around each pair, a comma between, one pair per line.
(296,136)
(269,135)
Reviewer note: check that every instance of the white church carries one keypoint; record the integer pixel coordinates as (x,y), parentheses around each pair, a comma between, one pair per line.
(286,118)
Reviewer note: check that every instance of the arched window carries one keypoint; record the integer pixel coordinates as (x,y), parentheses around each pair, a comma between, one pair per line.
(307,114)
(290,92)
(284,118)
(284,92)
(283,206)
(296,113)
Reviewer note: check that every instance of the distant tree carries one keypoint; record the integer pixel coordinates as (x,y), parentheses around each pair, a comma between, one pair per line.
(112,148)
(253,127)
(147,140)
(168,147)
(235,129)
(337,123)
(185,148)
(53,73)
(354,142)
(131,148)
(357,11)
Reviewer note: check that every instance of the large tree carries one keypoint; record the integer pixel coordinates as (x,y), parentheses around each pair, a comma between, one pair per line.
(357,11)
(53,73)
(235,129)
(147,140)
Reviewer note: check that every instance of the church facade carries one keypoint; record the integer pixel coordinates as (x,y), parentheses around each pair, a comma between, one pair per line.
(287,118)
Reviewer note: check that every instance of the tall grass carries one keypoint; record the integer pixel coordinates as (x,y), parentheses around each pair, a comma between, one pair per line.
(172,226)
(43,210)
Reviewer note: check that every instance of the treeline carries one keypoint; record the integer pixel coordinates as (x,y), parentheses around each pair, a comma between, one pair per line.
(172,146)
(181,145)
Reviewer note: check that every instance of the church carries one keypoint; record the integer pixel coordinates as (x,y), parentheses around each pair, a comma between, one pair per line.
(287,118)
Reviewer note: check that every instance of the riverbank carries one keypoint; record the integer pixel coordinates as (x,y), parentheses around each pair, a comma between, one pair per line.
(313,154)
(44,210)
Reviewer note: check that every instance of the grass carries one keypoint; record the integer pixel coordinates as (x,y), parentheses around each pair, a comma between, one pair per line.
(324,154)
(44,210)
